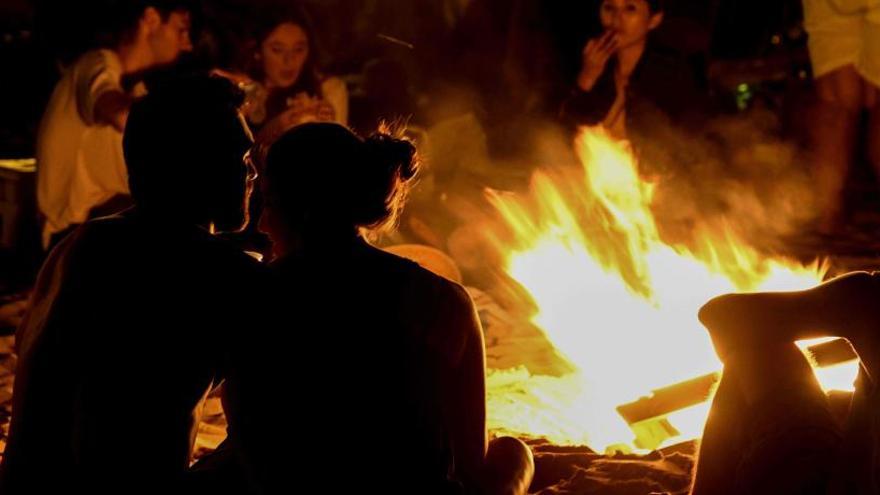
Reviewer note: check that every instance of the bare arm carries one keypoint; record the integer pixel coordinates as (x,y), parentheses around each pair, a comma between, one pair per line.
(590,102)
(111,108)
(466,394)
(594,59)
(504,466)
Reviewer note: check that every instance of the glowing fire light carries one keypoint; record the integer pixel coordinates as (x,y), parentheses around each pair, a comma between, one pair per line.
(617,303)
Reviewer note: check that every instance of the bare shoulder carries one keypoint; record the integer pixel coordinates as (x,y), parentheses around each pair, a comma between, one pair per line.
(443,309)
(448,297)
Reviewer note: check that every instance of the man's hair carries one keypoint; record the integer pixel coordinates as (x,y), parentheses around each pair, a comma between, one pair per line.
(123,15)
(655,6)
(174,134)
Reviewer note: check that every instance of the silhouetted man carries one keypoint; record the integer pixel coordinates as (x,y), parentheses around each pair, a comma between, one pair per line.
(133,314)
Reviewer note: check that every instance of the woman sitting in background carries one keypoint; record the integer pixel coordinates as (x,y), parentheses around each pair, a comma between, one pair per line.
(284,89)
(383,360)
(284,84)
(628,83)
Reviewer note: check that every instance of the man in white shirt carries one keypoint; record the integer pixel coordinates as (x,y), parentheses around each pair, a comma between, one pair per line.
(81,172)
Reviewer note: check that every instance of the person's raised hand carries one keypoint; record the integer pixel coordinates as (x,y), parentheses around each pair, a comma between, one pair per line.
(594,58)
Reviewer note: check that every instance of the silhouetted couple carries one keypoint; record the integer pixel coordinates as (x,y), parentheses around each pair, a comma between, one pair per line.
(347,369)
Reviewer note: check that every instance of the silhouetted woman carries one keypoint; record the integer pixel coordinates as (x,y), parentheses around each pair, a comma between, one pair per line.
(382,361)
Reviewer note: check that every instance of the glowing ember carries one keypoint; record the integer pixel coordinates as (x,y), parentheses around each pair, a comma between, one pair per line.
(618,304)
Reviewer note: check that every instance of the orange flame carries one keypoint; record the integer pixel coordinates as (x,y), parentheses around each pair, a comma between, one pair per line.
(618,304)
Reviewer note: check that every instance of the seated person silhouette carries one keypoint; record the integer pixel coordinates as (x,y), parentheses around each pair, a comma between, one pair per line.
(770,430)
(133,314)
(382,361)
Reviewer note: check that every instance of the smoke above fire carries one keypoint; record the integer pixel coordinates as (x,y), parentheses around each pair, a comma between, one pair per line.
(609,251)
(589,260)
(738,173)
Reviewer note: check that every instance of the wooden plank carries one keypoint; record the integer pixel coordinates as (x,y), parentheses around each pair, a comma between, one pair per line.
(691,392)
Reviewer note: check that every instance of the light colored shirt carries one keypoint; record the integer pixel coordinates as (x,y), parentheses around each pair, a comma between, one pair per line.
(79,161)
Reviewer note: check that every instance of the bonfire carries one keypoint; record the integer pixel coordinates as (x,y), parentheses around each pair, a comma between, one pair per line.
(619,307)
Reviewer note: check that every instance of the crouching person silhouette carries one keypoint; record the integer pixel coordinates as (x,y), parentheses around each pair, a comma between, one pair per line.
(771,430)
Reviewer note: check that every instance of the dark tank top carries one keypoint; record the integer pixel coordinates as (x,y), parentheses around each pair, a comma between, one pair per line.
(350,393)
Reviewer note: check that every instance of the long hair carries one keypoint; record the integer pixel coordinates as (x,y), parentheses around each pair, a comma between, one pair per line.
(309,80)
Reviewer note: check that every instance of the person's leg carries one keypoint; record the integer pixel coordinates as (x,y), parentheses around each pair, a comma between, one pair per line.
(844,306)
(869,68)
(770,429)
(510,467)
(722,443)
(793,438)
(832,139)
(855,468)
(872,101)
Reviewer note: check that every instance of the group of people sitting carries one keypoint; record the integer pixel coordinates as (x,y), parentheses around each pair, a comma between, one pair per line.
(82,170)
(145,303)
(136,316)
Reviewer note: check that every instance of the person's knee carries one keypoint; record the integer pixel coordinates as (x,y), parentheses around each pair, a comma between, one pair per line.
(511,449)
(739,321)
(715,317)
(510,466)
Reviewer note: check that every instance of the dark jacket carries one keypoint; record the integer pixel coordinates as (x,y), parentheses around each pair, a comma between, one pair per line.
(662,90)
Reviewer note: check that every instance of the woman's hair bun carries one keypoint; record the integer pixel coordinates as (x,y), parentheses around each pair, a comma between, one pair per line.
(393,154)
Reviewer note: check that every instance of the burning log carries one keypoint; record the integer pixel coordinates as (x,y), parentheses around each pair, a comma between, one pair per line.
(585,246)
(663,401)
(833,352)
(647,416)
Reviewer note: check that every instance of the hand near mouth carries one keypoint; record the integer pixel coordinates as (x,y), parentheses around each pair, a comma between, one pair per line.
(594,58)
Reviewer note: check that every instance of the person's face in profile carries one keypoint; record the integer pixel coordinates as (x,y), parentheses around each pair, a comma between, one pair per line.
(284,53)
(283,231)
(169,37)
(235,177)
(630,20)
